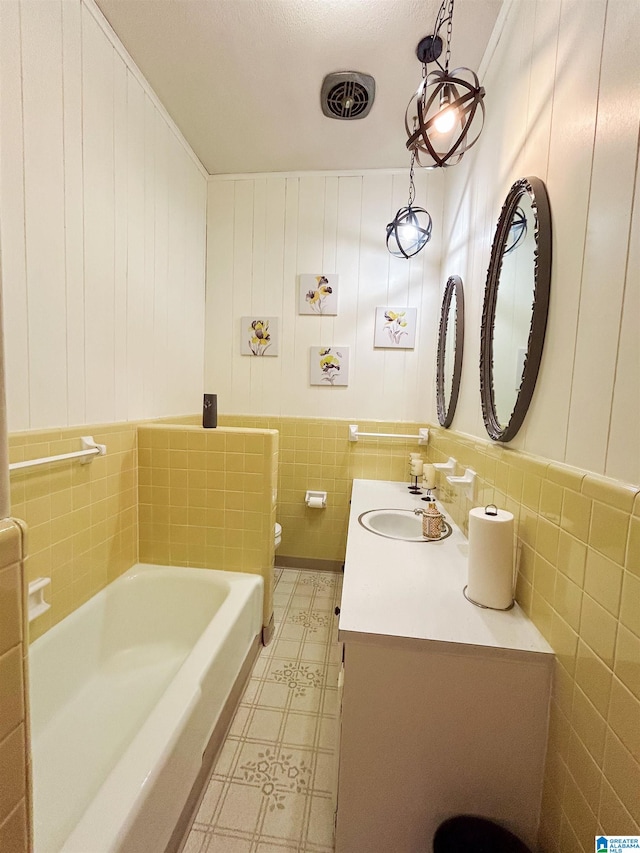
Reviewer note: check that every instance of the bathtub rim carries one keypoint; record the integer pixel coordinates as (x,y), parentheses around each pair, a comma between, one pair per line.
(183,826)
(128,785)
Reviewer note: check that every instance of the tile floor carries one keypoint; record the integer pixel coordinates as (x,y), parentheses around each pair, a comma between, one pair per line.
(273,787)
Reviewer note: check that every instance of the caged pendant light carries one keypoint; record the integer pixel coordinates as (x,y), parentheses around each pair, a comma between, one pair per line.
(446,114)
(410,230)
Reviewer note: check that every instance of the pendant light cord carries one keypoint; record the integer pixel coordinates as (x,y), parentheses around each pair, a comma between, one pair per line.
(445,16)
(412,186)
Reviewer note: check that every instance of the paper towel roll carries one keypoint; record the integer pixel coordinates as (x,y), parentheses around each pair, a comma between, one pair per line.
(490,566)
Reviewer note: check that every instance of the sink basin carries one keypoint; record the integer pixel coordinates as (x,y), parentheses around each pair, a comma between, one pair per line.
(393,523)
(398,524)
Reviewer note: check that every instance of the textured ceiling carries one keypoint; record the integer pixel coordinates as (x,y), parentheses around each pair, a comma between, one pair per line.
(242,78)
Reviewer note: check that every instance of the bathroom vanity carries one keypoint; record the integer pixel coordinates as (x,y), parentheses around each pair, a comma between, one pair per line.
(444,704)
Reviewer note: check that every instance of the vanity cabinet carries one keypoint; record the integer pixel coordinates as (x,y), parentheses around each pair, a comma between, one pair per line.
(446,715)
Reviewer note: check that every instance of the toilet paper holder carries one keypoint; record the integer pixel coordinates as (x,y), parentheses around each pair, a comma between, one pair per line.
(315,500)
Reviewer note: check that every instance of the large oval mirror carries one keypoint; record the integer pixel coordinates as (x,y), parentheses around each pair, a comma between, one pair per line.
(450,346)
(516,302)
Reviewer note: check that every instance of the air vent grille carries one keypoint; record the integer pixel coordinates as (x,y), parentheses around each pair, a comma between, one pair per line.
(347,95)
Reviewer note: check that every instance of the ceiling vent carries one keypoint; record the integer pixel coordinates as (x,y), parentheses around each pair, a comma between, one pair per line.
(347,94)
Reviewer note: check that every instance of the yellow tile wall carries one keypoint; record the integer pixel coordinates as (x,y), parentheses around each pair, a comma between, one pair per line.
(579,581)
(317,454)
(578,557)
(82,519)
(15,768)
(207,498)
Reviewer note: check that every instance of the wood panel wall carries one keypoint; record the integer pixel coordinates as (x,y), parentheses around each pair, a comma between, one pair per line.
(102,218)
(263,231)
(563,103)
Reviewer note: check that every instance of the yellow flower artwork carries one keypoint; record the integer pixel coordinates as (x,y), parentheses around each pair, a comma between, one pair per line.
(259,336)
(395,328)
(318,294)
(329,366)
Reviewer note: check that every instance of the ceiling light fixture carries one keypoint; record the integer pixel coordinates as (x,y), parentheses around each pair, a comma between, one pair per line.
(410,230)
(445,116)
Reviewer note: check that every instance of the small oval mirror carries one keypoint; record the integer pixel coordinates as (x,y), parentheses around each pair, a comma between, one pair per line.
(450,347)
(516,301)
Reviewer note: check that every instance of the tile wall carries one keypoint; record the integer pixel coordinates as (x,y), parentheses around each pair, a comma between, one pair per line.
(315,453)
(579,581)
(208,498)
(14,755)
(578,543)
(82,519)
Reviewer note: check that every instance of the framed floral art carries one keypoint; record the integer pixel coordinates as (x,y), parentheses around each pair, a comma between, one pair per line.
(329,366)
(395,328)
(318,294)
(259,336)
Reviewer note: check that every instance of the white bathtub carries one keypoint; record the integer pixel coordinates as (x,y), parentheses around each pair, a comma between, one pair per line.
(125,694)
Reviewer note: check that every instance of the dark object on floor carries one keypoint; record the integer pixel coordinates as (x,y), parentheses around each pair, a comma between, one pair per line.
(469,834)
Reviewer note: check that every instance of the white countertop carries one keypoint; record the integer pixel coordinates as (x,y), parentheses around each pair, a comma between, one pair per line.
(394,588)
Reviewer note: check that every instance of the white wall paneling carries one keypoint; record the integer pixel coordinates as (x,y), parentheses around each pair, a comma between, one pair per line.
(135,248)
(12,218)
(625,411)
(192,363)
(103,228)
(99,246)
(615,157)
(120,237)
(41,29)
(73,209)
(569,116)
(263,231)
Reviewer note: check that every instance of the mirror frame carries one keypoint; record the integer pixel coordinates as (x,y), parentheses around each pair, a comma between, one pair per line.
(539,199)
(446,413)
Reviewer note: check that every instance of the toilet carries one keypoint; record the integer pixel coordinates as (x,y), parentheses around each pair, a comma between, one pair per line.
(277,534)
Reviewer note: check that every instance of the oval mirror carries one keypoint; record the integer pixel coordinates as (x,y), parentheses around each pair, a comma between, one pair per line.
(450,346)
(516,302)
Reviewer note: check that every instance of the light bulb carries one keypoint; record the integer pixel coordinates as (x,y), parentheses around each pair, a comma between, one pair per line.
(445,120)
(407,234)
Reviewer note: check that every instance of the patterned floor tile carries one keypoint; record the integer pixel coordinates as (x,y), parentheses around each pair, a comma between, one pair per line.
(328,735)
(272,789)
(314,651)
(209,805)
(265,725)
(289,631)
(284,648)
(320,829)
(301,729)
(197,841)
(273,695)
(287,823)
(240,809)
(219,843)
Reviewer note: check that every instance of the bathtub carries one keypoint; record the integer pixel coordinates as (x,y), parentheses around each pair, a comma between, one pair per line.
(125,696)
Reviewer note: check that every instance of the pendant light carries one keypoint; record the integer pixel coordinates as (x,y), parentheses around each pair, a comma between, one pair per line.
(410,230)
(446,114)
